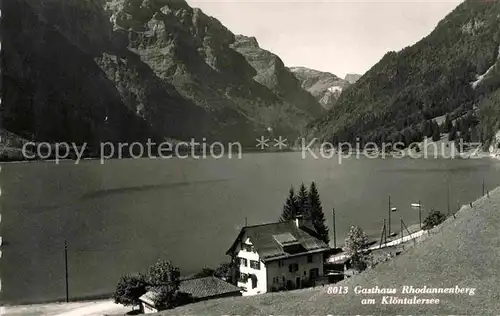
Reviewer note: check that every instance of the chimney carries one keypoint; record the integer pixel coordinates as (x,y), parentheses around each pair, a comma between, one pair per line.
(299,221)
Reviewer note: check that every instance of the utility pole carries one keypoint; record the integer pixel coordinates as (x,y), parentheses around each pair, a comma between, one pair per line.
(246,222)
(402,235)
(382,236)
(407,230)
(448,198)
(389,225)
(66,268)
(483,187)
(385,234)
(334,230)
(420,214)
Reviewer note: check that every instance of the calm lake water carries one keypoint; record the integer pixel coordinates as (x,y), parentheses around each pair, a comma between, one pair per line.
(122,216)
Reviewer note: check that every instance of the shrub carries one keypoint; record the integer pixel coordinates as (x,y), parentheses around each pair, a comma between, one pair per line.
(433,219)
(129,289)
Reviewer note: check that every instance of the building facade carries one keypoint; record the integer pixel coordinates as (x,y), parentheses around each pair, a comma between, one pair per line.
(277,256)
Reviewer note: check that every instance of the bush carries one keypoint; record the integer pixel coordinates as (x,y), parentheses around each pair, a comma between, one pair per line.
(359,262)
(129,289)
(205,272)
(433,219)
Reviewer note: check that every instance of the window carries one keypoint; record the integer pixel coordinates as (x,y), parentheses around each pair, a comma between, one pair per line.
(309,258)
(243,262)
(254,281)
(248,248)
(280,263)
(255,264)
(294,267)
(283,279)
(314,273)
(243,278)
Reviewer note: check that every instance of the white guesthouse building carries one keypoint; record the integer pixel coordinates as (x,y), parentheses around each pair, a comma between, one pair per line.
(277,256)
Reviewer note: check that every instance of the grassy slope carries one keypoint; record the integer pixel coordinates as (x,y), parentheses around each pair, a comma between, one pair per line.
(463,251)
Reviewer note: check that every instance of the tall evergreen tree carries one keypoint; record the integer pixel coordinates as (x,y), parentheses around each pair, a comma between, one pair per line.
(427,129)
(316,215)
(436,135)
(447,124)
(290,209)
(452,133)
(302,200)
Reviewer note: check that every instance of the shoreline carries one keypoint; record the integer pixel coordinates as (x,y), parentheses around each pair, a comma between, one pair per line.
(390,155)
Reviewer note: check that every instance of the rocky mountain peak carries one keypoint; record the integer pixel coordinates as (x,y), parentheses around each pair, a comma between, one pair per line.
(245,41)
(352,78)
(324,86)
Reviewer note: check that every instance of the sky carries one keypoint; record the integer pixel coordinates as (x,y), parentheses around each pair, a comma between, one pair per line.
(340,37)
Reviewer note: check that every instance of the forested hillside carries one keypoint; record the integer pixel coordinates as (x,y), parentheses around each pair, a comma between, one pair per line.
(451,71)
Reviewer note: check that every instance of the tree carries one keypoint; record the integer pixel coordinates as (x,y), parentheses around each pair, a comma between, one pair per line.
(163,273)
(168,297)
(205,272)
(302,200)
(436,135)
(316,215)
(290,209)
(129,289)
(222,272)
(433,219)
(452,133)
(164,278)
(427,129)
(355,243)
(447,124)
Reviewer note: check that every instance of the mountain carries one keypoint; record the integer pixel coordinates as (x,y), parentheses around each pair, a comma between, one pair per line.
(352,78)
(453,70)
(272,73)
(127,70)
(324,86)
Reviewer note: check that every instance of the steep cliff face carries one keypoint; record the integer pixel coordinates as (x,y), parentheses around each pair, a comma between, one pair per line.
(199,56)
(352,78)
(272,73)
(324,86)
(127,70)
(68,77)
(52,89)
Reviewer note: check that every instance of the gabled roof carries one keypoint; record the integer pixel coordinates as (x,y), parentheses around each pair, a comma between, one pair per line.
(199,288)
(266,240)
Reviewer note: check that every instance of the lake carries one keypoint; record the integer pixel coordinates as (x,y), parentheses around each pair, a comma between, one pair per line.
(122,216)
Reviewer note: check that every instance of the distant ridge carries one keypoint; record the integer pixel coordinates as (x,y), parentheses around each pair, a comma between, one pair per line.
(324,86)
(352,78)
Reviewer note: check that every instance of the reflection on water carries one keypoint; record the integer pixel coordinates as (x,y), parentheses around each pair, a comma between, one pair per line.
(129,190)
